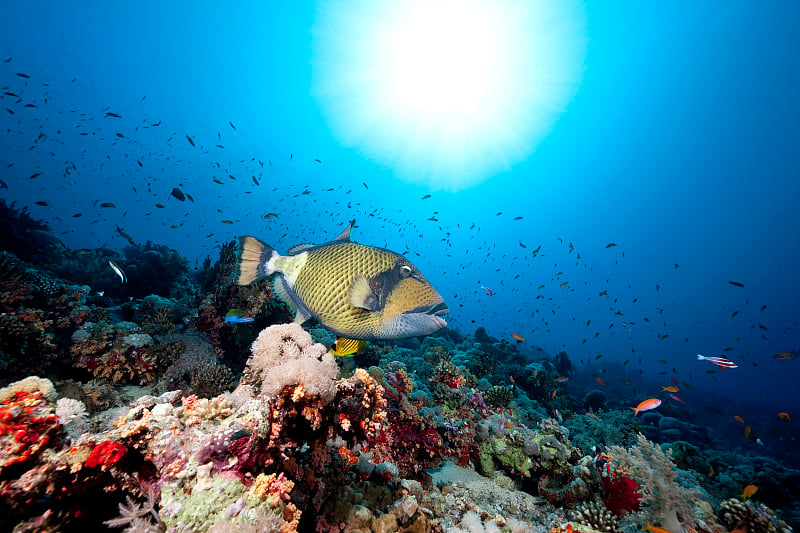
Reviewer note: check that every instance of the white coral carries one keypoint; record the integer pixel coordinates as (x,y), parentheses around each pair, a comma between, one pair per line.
(69,410)
(286,355)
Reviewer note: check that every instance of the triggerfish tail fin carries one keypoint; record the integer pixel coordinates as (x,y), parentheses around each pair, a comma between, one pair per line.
(345,347)
(254,260)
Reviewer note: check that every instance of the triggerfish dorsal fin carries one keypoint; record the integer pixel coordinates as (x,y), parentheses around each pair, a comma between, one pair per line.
(361,295)
(345,347)
(298,248)
(345,235)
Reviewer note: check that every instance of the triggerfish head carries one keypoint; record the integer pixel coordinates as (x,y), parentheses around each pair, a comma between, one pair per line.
(355,291)
(237,316)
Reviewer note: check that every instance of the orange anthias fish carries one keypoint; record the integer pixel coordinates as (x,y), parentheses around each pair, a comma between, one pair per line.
(517,337)
(739,419)
(655,529)
(670,389)
(562,379)
(785,417)
(646,405)
(600,381)
(553,396)
(748,491)
(747,431)
(564,284)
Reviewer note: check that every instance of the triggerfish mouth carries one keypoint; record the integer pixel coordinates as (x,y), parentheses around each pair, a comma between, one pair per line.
(357,292)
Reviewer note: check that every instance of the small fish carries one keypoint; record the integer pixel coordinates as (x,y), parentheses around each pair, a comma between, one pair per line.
(785,417)
(671,388)
(122,277)
(748,491)
(42,203)
(747,431)
(426,196)
(344,347)
(739,419)
(600,381)
(517,337)
(177,193)
(191,141)
(553,396)
(226,221)
(611,245)
(592,415)
(562,379)
(564,284)
(719,361)
(711,472)
(34,176)
(655,529)
(107,204)
(318,161)
(488,291)
(785,356)
(23,75)
(112,114)
(646,405)
(736,283)
(270,215)
(677,398)
(238,316)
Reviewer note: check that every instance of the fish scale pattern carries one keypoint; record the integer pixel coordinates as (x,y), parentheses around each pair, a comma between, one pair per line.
(325,281)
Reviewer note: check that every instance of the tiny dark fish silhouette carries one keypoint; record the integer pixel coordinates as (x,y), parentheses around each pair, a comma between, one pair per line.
(426,196)
(177,193)
(42,203)
(112,114)
(517,218)
(107,204)
(7,60)
(232,126)
(191,141)
(611,245)
(317,161)
(34,176)
(23,75)
(736,284)
(365,185)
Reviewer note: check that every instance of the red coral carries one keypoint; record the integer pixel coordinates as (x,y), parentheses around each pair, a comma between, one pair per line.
(106,454)
(621,494)
(27,424)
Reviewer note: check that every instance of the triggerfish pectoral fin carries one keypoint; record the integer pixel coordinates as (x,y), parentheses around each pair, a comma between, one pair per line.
(345,347)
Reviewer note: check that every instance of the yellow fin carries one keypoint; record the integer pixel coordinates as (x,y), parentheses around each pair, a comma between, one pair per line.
(345,347)
(361,295)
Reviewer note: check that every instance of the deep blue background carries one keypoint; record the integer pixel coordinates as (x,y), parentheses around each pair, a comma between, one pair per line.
(682,146)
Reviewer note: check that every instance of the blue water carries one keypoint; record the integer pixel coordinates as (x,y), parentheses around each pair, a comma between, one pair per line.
(680,145)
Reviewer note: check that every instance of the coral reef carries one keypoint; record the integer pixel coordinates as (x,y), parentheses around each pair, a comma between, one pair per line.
(751,517)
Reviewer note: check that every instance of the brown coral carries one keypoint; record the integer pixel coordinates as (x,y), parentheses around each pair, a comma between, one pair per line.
(751,517)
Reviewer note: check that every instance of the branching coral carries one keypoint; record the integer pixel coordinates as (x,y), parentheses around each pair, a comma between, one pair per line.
(655,473)
(596,516)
